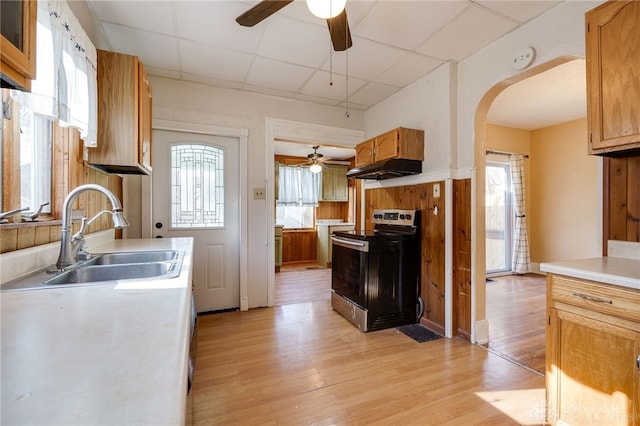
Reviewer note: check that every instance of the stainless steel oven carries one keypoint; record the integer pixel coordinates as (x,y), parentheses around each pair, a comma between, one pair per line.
(375,273)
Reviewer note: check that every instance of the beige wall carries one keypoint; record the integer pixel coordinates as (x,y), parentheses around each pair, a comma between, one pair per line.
(560,181)
(564,208)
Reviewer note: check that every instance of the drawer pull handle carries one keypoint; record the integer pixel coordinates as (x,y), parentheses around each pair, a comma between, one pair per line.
(593,298)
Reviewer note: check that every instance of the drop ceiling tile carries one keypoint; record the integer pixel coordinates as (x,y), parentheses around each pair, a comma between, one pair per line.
(475,28)
(408,69)
(521,10)
(278,75)
(153,16)
(407,24)
(154,50)
(269,91)
(319,85)
(211,81)
(316,99)
(214,62)
(366,59)
(294,41)
(213,23)
(372,93)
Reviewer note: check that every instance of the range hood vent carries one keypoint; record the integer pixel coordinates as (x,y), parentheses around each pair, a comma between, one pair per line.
(387,169)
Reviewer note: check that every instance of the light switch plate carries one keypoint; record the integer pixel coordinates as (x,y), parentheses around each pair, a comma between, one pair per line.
(436,190)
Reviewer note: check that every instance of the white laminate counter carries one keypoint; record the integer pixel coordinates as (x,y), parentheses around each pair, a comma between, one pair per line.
(609,270)
(112,354)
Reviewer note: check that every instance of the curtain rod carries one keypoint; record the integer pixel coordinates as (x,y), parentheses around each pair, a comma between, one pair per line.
(489,151)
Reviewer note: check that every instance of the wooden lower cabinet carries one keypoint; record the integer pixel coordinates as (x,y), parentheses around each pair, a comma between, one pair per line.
(593,350)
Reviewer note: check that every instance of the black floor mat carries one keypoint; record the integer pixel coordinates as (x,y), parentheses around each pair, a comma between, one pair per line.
(418,332)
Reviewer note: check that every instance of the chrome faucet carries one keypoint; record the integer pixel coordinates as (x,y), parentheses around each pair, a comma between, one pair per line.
(70,245)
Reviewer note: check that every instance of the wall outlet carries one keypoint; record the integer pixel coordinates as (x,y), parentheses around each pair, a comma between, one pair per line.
(259,193)
(436,190)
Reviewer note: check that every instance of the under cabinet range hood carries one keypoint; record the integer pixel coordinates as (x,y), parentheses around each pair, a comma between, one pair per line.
(386,169)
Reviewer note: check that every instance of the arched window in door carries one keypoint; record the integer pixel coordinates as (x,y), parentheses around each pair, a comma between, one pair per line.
(197,186)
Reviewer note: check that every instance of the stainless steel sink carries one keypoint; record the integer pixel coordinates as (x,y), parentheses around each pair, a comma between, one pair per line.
(105,268)
(89,274)
(135,257)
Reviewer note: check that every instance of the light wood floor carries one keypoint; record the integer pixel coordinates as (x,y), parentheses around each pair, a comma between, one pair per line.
(303,363)
(302,283)
(516,314)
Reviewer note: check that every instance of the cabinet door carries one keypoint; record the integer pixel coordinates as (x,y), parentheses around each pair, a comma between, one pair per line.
(334,183)
(613,76)
(145,117)
(364,153)
(387,145)
(592,372)
(18,40)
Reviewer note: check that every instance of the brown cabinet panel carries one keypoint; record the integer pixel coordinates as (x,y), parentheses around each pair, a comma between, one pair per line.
(592,371)
(299,245)
(613,76)
(364,153)
(18,40)
(124,116)
(398,143)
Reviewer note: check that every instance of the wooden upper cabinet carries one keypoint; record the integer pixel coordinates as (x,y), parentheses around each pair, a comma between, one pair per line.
(364,153)
(18,21)
(613,77)
(398,143)
(124,116)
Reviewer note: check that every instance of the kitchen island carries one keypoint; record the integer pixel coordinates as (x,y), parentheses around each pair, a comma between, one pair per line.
(107,354)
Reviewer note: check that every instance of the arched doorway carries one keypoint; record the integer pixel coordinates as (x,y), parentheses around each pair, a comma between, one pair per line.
(480,147)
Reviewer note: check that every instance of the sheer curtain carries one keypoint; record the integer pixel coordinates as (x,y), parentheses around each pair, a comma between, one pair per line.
(297,186)
(66,85)
(521,262)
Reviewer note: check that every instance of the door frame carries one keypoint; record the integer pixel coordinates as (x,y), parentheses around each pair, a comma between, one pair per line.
(277,128)
(242,134)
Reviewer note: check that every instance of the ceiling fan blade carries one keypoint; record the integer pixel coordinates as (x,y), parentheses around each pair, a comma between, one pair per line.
(261,11)
(339,30)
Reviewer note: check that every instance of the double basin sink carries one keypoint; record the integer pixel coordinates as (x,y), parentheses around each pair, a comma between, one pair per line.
(104,268)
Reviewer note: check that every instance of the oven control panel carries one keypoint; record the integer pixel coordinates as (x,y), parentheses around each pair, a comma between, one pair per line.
(394,217)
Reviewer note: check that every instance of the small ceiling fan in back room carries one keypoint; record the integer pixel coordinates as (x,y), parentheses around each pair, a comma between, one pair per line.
(332,10)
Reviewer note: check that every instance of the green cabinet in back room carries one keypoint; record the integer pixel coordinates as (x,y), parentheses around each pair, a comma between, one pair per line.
(334,184)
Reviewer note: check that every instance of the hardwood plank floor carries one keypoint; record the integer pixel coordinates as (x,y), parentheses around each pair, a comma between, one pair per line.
(303,363)
(516,313)
(302,283)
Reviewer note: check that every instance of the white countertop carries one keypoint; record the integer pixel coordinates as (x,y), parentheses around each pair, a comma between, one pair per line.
(609,270)
(112,354)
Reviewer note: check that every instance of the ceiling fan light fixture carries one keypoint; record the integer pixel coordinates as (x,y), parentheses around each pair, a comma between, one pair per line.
(315,168)
(326,9)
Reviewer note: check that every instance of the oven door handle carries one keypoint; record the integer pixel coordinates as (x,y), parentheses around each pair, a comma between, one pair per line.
(356,245)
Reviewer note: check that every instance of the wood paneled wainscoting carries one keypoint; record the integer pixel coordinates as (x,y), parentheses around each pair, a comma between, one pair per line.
(299,245)
(432,273)
(621,204)
(68,171)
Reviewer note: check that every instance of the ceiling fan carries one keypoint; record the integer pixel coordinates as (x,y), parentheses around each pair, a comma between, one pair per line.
(315,159)
(338,25)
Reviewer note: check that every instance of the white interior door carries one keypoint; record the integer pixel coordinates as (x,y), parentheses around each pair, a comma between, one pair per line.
(196,194)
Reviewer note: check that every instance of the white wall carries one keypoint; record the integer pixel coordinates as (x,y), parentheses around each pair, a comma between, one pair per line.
(201,104)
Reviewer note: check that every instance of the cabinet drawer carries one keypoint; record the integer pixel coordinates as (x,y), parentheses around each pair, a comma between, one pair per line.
(607,299)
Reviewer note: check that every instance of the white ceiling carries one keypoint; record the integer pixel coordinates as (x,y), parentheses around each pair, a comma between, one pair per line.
(394,44)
